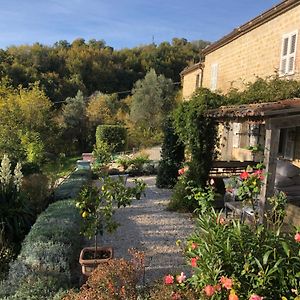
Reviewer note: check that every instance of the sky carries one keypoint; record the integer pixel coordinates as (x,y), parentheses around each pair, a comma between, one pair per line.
(123,23)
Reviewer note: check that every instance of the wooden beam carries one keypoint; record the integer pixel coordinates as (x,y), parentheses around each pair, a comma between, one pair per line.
(270,161)
(284,122)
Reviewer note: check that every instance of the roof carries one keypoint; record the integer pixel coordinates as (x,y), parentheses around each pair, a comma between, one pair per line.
(257,110)
(265,17)
(189,69)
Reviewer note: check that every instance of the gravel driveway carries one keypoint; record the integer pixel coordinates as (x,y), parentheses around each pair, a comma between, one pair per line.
(147,226)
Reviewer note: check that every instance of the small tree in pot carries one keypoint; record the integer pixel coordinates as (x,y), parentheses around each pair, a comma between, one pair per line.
(97,206)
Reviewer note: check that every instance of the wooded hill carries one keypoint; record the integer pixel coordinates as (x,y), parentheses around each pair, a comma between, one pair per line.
(64,68)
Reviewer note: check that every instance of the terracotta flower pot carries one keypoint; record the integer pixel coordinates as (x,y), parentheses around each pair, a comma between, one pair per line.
(89,261)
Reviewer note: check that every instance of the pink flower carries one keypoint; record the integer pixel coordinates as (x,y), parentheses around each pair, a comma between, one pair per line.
(297,237)
(169,279)
(226,282)
(256,297)
(259,174)
(245,175)
(209,290)
(181,278)
(221,221)
(194,246)
(218,287)
(181,171)
(194,262)
(175,296)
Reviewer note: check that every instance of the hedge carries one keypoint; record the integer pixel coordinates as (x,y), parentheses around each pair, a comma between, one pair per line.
(71,186)
(43,267)
(114,135)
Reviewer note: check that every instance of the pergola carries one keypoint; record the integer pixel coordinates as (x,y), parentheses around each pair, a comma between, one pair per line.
(275,116)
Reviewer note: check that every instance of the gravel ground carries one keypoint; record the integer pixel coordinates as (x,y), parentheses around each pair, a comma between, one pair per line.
(147,226)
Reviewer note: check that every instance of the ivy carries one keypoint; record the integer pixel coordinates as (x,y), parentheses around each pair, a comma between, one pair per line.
(198,132)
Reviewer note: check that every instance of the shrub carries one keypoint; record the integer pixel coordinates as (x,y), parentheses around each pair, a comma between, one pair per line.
(36,186)
(114,135)
(251,260)
(43,265)
(15,215)
(102,154)
(71,186)
(172,155)
(117,279)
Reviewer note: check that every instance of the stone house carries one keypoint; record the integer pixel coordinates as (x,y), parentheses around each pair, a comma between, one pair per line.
(264,46)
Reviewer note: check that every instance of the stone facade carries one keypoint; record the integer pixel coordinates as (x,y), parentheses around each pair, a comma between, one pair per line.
(256,52)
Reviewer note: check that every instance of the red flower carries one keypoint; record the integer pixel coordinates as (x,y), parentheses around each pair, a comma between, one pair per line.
(194,262)
(169,279)
(218,287)
(194,246)
(221,221)
(297,237)
(226,282)
(256,297)
(209,290)
(245,175)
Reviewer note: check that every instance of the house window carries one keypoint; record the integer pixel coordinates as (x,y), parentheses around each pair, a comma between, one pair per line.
(254,134)
(236,131)
(214,77)
(288,53)
(287,143)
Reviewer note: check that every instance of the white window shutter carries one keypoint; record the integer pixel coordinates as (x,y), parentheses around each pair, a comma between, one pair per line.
(214,77)
(288,53)
(236,131)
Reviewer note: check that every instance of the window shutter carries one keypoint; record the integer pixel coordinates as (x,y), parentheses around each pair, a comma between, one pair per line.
(236,130)
(288,54)
(214,77)
(254,131)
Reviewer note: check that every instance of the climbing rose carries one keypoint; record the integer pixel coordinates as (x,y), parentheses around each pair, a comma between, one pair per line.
(169,279)
(226,282)
(194,246)
(209,290)
(194,262)
(181,171)
(244,175)
(181,278)
(256,297)
(297,237)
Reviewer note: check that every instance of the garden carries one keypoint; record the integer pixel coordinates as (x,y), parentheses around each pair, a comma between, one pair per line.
(49,209)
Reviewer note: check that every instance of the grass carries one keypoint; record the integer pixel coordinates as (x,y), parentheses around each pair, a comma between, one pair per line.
(60,167)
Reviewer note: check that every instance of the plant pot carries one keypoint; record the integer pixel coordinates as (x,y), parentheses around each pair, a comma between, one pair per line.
(88,261)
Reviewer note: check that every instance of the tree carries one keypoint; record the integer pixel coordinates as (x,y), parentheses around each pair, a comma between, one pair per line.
(152,100)
(74,120)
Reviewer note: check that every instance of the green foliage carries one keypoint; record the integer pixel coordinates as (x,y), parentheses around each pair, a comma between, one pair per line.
(172,155)
(15,214)
(114,135)
(102,154)
(152,100)
(43,265)
(198,132)
(97,206)
(64,68)
(271,89)
(257,260)
(72,185)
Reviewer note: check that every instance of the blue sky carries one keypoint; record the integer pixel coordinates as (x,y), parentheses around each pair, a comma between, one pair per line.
(122,23)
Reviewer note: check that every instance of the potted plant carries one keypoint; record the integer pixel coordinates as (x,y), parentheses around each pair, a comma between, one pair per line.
(97,206)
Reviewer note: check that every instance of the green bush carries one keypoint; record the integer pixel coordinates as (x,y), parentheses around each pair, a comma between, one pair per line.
(114,135)
(71,186)
(172,155)
(254,260)
(43,266)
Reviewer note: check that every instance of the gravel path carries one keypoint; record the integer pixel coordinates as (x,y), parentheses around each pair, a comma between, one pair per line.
(147,226)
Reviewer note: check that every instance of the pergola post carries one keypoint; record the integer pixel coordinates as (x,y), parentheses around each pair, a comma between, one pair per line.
(270,162)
